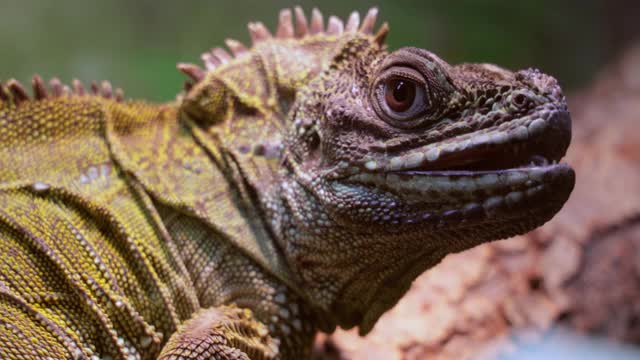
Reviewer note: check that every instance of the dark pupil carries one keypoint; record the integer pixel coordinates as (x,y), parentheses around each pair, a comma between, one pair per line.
(401,91)
(400,94)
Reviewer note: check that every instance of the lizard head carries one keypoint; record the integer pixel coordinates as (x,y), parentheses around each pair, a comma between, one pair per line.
(370,166)
(402,158)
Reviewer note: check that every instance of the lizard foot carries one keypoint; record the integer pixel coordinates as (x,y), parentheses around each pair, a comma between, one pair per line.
(225,332)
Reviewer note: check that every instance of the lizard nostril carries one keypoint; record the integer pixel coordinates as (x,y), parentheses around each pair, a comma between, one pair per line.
(520,100)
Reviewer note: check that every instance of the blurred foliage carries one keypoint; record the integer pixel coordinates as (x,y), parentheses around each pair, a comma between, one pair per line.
(136,44)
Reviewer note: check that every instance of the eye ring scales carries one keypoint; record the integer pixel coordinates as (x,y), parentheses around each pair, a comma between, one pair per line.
(402,72)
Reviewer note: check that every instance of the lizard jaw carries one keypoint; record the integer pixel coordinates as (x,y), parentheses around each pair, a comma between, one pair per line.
(431,222)
(453,196)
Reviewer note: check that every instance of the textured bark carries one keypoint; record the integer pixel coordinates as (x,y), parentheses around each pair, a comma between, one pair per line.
(581,270)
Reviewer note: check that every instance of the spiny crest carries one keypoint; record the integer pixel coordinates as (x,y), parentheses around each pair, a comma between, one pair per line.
(286,29)
(14,92)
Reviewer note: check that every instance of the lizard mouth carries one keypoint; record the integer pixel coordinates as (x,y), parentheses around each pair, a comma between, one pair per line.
(532,143)
(489,162)
(477,177)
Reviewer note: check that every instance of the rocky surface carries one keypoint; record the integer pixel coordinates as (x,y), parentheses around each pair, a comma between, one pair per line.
(581,270)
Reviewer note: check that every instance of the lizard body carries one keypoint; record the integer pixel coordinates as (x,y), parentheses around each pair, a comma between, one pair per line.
(298,185)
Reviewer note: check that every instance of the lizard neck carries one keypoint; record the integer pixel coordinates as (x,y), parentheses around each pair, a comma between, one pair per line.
(351,278)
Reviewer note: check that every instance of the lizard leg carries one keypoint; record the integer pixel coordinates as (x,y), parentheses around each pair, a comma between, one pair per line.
(224,332)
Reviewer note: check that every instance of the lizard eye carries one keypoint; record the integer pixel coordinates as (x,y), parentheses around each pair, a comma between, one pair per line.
(401,97)
(400,94)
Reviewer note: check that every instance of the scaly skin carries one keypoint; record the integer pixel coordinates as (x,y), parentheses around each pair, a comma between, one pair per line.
(298,185)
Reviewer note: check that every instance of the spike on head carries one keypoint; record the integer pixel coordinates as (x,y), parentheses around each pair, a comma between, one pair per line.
(222,55)
(335,26)
(258,33)
(302,26)
(17,91)
(191,70)
(78,87)
(236,47)
(56,87)
(285,25)
(353,23)
(381,36)
(210,62)
(95,90)
(369,21)
(39,89)
(106,90)
(317,22)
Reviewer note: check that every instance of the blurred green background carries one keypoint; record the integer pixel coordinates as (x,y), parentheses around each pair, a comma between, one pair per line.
(136,44)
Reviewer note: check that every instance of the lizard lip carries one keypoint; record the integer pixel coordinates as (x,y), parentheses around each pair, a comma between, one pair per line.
(485,166)
(535,162)
(533,142)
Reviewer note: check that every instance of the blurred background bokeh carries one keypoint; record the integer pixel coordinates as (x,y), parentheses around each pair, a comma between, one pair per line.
(136,44)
